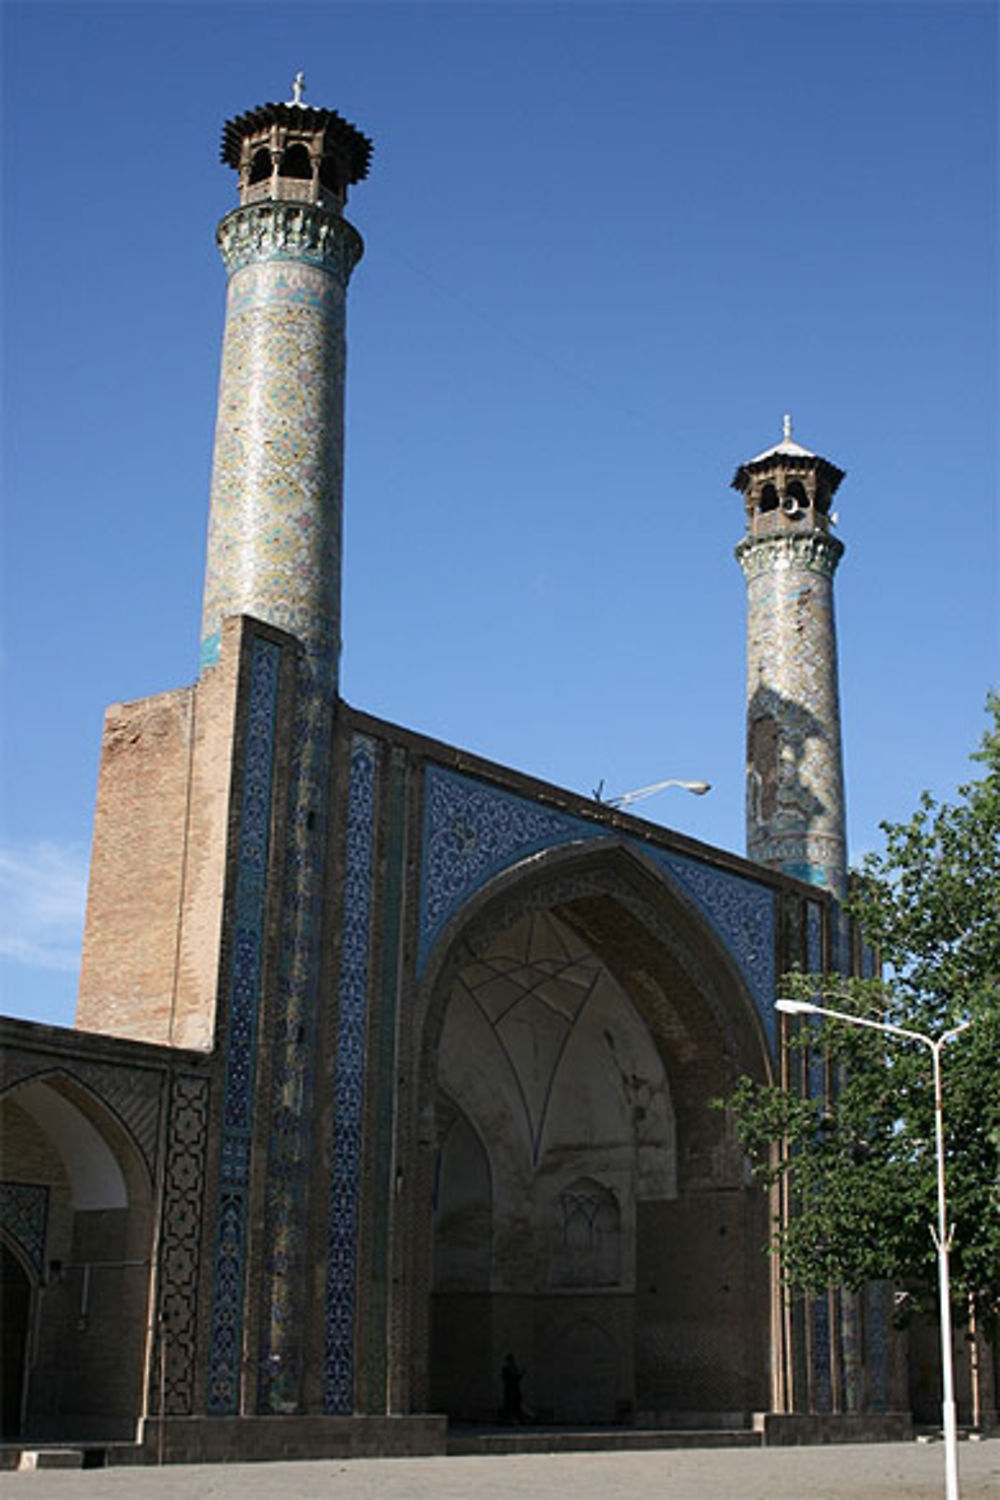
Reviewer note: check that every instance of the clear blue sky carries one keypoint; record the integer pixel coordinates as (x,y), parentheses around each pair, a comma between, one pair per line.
(608,246)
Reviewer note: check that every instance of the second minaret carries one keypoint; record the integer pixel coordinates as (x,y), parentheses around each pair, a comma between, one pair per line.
(795,779)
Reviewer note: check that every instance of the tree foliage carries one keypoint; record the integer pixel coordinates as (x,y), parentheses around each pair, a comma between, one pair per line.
(853,1136)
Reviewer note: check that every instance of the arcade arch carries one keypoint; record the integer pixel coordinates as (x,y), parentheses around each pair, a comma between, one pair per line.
(77,1226)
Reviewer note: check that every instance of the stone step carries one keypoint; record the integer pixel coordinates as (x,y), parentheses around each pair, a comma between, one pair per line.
(593,1439)
(51,1458)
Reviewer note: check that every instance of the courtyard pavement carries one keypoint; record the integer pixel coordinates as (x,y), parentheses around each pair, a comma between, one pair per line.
(884,1471)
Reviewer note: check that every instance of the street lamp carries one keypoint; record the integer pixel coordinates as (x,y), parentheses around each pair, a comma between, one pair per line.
(942,1235)
(698,788)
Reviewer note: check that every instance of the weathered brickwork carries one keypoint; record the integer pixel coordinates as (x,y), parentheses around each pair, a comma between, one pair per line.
(154,904)
(136,882)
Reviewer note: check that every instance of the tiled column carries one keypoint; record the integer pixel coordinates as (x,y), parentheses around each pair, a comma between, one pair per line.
(275,525)
(795,783)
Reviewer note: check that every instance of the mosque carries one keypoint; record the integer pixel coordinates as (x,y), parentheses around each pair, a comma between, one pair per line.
(393,1067)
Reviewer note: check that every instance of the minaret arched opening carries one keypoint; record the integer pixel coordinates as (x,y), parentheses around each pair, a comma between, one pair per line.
(260,166)
(796,498)
(297,162)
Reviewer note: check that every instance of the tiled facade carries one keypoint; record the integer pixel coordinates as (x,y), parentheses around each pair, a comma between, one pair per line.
(225,1353)
(361,876)
(472,832)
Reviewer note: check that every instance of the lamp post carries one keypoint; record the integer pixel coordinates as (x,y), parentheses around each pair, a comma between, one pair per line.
(697,788)
(941,1235)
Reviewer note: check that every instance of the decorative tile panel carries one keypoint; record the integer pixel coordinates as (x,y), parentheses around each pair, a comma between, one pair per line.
(352,1021)
(814,965)
(743,916)
(243,991)
(24,1212)
(292,1063)
(378,1289)
(822,1389)
(172,1368)
(473,831)
(878,1320)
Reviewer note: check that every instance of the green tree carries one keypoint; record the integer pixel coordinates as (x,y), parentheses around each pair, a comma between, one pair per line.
(854,1135)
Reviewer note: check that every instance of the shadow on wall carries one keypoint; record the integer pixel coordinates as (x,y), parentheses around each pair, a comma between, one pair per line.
(780,802)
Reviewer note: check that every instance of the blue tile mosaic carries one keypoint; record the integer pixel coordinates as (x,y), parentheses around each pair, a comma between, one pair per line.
(292,1062)
(822,1391)
(877,1334)
(274,533)
(24,1213)
(243,990)
(814,965)
(341,1272)
(743,916)
(473,831)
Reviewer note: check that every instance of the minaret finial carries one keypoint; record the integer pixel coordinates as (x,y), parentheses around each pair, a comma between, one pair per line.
(786,428)
(298,87)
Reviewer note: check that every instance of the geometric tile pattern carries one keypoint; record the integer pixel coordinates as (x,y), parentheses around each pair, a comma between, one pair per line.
(818,1309)
(172,1366)
(814,965)
(352,995)
(24,1208)
(289,1152)
(243,994)
(822,1388)
(381,1174)
(743,916)
(473,831)
(878,1316)
(814,938)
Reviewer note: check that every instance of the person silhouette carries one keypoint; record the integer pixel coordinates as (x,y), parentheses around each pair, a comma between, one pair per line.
(511,1376)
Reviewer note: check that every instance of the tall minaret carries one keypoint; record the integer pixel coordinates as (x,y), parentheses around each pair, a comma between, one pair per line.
(795,778)
(275,525)
(274,553)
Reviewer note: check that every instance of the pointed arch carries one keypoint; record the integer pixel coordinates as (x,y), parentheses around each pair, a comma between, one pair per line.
(91,1245)
(670,967)
(103,1161)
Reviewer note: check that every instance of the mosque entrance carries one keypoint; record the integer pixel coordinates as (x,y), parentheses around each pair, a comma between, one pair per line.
(584,1228)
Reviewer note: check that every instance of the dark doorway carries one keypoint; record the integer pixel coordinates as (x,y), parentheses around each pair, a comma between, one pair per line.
(15,1311)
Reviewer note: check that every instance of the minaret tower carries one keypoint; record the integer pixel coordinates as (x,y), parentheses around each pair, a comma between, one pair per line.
(274,537)
(795,779)
(274,553)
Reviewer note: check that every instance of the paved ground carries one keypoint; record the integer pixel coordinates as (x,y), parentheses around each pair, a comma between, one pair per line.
(885,1471)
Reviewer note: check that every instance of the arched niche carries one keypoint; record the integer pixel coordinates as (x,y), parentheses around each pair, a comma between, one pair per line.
(83,1194)
(600,1106)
